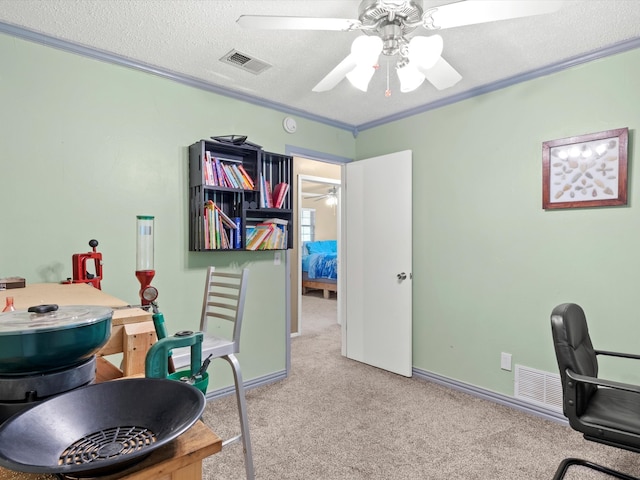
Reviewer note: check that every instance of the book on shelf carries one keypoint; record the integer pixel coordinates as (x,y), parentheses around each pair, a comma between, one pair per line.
(228,221)
(279,194)
(263,189)
(264,245)
(274,241)
(230,174)
(216,224)
(266,198)
(223,175)
(210,176)
(269,194)
(261,232)
(265,241)
(247,177)
(205,230)
(205,169)
(283,237)
(276,238)
(250,231)
(222,181)
(231,179)
(237,176)
(277,221)
(216,228)
(210,229)
(237,233)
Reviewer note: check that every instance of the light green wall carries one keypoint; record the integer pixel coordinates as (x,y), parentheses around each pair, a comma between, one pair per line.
(489,263)
(85,146)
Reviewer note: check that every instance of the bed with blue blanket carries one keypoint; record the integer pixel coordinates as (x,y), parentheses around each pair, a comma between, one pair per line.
(320,266)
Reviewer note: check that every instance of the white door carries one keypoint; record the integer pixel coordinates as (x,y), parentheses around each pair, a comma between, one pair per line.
(377,268)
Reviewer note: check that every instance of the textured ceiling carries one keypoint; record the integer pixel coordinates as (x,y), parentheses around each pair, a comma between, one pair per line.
(189,37)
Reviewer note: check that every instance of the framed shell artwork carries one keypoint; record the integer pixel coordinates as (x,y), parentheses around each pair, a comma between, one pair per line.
(586,170)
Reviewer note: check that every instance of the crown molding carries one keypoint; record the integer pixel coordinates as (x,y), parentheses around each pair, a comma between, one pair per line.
(96,54)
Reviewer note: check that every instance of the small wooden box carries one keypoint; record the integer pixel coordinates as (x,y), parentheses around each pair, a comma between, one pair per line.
(12,282)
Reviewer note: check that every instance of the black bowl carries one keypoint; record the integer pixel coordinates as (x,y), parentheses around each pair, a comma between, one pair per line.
(99,429)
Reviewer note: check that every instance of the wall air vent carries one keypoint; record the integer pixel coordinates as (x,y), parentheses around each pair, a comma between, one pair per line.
(245,62)
(538,387)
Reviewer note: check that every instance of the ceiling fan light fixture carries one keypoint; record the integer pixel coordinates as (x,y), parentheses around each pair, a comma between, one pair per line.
(424,52)
(410,78)
(386,24)
(332,201)
(361,76)
(366,49)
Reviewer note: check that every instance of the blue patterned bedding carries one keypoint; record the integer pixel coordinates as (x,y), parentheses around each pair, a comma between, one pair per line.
(322,265)
(321,259)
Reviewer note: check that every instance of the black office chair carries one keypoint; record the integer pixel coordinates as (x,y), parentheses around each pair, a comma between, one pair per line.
(604,411)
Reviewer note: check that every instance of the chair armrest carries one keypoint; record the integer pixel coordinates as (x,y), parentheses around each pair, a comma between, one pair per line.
(602,382)
(618,354)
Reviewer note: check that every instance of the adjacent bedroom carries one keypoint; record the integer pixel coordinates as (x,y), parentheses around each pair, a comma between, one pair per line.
(318,266)
(318,235)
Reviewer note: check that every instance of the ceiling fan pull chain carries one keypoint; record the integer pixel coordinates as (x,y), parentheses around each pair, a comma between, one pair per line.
(387,92)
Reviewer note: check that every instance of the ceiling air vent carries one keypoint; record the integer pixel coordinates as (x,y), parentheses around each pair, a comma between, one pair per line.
(245,62)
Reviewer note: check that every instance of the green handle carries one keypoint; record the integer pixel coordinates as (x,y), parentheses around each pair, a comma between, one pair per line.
(158,323)
(157,360)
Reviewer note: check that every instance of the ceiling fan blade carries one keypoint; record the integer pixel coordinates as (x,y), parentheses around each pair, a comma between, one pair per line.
(481,11)
(313,195)
(274,22)
(335,76)
(442,75)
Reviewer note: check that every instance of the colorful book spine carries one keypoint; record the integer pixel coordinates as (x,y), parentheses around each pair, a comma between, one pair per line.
(237,176)
(237,240)
(222,179)
(280,194)
(262,231)
(247,177)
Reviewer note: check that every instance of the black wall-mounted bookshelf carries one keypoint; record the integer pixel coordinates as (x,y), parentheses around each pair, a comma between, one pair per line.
(239,198)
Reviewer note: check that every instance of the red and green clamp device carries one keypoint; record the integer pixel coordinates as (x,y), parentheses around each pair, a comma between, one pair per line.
(158,360)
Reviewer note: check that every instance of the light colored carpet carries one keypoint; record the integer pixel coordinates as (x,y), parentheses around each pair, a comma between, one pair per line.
(334,418)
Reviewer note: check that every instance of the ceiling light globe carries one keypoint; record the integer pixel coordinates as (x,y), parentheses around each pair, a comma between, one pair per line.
(366,50)
(424,52)
(361,76)
(410,78)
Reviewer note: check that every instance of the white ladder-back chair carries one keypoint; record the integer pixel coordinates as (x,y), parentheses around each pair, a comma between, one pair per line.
(224,296)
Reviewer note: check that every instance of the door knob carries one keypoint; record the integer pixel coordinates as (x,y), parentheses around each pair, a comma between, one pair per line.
(402,276)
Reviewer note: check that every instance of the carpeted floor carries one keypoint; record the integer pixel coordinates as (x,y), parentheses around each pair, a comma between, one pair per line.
(334,418)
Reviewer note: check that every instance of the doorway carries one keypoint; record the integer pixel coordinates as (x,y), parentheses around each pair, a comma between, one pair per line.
(319,176)
(318,235)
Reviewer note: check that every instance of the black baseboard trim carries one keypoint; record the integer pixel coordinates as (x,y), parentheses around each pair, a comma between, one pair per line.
(491,396)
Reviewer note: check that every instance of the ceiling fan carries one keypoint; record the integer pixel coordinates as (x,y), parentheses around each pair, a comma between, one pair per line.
(387,25)
(331,195)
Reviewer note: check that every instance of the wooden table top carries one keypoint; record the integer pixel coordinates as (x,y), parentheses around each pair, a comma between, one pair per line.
(72,294)
(192,446)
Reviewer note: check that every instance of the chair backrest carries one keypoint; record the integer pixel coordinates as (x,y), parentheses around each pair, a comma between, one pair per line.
(574,350)
(224,295)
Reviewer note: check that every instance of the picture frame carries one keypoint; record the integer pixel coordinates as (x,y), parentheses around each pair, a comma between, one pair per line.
(586,170)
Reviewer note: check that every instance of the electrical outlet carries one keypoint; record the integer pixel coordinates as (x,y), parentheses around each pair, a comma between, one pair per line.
(505,361)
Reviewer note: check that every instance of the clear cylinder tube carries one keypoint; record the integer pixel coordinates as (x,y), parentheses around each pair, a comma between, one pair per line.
(144,242)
